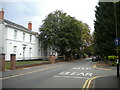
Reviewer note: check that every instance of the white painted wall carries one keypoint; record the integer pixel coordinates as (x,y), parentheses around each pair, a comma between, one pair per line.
(19,43)
(7,43)
(2,38)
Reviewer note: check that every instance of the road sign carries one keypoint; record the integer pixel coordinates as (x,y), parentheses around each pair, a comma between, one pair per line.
(117,41)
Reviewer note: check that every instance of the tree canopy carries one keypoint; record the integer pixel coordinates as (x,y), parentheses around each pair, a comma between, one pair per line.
(62,32)
(105,30)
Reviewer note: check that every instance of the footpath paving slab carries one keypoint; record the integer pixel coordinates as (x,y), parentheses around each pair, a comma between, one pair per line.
(108,82)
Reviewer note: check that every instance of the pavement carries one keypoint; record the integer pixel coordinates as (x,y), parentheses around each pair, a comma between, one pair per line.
(108,82)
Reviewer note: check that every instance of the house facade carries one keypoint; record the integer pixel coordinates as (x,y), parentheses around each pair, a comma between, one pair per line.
(22,41)
(19,40)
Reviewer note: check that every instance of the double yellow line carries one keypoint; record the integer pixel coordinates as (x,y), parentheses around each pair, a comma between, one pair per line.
(88,82)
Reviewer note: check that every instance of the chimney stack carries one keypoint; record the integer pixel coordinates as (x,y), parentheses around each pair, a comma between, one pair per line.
(30,25)
(2,14)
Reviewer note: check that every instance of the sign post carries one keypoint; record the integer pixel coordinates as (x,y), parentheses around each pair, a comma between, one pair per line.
(117,43)
(117,40)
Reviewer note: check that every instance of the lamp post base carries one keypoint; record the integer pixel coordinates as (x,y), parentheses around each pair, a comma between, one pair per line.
(117,70)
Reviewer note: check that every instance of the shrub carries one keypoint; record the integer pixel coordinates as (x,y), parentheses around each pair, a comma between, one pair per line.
(112,58)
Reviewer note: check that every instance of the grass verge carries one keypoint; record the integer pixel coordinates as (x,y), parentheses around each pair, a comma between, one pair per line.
(18,63)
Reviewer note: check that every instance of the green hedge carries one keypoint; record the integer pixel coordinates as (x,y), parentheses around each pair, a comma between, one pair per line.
(112,58)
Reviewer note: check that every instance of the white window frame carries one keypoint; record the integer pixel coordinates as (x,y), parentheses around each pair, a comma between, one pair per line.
(15,49)
(30,38)
(15,34)
(30,52)
(23,36)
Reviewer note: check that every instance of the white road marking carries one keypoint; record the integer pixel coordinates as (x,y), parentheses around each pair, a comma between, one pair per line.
(80,74)
(61,73)
(74,68)
(56,76)
(81,68)
(73,73)
(76,74)
(67,73)
(70,77)
(88,74)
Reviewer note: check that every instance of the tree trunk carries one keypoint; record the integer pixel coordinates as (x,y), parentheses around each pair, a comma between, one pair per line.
(67,57)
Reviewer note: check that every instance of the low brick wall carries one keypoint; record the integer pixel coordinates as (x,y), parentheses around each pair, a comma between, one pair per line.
(2,62)
(30,65)
(52,59)
(12,61)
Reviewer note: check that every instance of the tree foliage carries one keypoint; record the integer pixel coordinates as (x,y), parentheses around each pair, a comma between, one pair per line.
(87,40)
(105,30)
(63,32)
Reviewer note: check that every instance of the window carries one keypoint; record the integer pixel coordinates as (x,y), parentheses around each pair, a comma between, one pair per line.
(30,38)
(23,36)
(15,49)
(15,34)
(30,50)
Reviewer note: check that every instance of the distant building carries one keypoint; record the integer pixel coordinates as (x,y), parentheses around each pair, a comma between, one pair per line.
(19,40)
(47,51)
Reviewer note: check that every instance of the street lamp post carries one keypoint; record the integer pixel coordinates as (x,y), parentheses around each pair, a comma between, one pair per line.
(117,39)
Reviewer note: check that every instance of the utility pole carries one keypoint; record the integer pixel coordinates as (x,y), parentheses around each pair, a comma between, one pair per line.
(117,40)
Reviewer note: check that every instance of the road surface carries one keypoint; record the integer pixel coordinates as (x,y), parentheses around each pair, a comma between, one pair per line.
(74,74)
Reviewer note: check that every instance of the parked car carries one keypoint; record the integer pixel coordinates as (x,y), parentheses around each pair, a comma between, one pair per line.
(94,59)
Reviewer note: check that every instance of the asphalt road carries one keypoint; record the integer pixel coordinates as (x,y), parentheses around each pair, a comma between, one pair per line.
(74,74)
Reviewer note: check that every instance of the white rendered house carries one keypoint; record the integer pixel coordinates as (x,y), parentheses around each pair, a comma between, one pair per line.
(16,39)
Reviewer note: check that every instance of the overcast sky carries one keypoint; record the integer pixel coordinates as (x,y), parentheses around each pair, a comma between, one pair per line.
(23,11)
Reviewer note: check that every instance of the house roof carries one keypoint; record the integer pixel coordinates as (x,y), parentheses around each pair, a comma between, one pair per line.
(17,26)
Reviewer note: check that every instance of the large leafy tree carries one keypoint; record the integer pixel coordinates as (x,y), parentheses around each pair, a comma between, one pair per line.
(105,31)
(87,40)
(62,32)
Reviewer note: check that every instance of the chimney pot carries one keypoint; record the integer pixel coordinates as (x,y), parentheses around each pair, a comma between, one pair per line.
(30,25)
(2,14)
